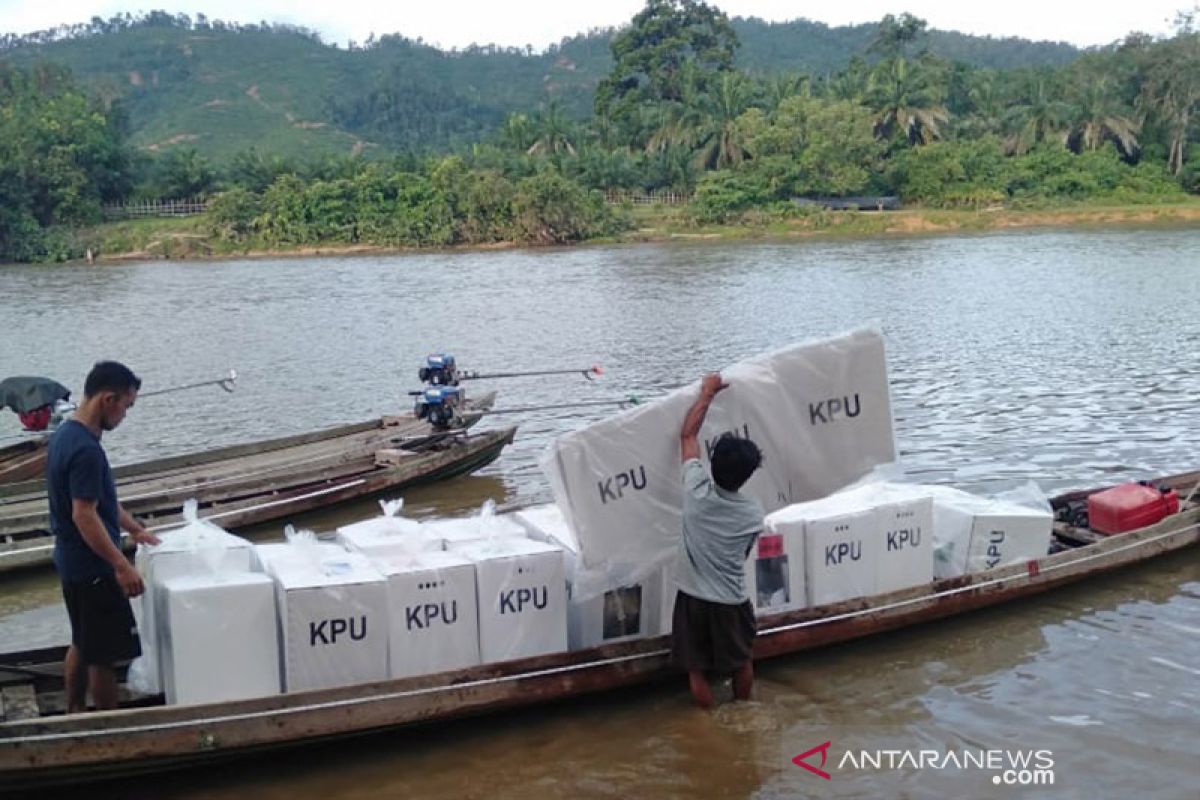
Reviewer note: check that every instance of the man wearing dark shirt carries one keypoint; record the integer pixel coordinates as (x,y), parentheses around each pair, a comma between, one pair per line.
(86,520)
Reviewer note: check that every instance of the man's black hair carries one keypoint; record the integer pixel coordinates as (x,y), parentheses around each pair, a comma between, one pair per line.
(734,460)
(110,376)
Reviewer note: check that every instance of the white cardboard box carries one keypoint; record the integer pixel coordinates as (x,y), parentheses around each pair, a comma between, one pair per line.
(522,598)
(220,638)
(975,533)
(820,410)
(907,555)
(334,618)
(434,613)
(199,548)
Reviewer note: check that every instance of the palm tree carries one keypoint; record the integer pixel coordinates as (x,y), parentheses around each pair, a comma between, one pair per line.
(1097,119)
(905,102)
(781,87)
(1038,117)
(554,132)
(1171,90)
(707,123)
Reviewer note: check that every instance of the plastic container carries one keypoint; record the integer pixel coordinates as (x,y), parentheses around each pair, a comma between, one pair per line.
(1129,507)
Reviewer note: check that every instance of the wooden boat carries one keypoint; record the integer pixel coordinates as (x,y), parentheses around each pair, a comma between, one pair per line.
(36,749)
(23,464)
(251,489)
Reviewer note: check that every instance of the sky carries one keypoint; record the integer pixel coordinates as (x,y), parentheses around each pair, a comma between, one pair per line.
(517,23)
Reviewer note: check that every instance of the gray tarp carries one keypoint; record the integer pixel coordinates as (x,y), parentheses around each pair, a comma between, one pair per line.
(23,394)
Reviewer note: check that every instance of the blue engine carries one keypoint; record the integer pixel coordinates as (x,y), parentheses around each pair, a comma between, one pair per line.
(439,370)
(440,405)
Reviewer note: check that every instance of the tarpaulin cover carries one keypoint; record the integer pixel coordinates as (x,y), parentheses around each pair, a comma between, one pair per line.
(23,393)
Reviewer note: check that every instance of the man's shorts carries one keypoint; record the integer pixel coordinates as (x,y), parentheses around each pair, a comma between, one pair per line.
(711,637)
(103,629)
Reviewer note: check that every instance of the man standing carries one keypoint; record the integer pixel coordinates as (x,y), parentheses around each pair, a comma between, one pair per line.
(86,520)
(713,624)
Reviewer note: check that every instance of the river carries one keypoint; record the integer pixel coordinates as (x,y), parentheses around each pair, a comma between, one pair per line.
(1068,357)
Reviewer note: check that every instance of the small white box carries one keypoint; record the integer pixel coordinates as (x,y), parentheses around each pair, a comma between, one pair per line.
(974,533)
(841,545)
(840,555)
(220,641)
(333,614)
(522,598)
(198,548)
(906,558)
(434,613)
(460,531)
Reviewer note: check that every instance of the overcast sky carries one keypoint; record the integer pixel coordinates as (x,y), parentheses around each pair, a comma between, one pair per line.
(457,23)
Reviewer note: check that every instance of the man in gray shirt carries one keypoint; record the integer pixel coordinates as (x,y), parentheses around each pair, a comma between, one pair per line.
(713,623)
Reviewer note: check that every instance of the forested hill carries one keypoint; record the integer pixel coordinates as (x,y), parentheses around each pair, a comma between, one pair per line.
(222,88)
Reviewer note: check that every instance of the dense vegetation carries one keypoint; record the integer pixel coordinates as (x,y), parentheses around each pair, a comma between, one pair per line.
(681,106)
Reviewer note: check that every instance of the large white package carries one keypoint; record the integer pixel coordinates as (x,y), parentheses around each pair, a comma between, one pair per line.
(487,524)
(617,607)
(820,411)
(522,598)
(220,637)
(198,547)
(389,534)
(333,613)
(973,533)
(775,569)
(434,612)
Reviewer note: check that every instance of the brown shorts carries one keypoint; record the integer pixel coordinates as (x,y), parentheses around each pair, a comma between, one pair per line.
(711,637)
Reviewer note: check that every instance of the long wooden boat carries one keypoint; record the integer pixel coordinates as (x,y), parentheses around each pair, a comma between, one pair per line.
(37,749)
(345,468)
(23,464)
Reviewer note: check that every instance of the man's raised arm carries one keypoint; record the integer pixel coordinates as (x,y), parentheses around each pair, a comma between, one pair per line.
(689,442)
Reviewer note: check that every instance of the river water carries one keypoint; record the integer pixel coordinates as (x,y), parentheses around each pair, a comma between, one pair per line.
(1068,357)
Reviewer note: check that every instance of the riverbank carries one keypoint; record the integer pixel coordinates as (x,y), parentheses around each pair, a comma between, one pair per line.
(189,238)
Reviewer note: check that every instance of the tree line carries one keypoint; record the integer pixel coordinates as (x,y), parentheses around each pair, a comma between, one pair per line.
(1118,124)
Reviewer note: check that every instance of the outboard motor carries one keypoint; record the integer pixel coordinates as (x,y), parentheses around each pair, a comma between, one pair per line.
(440,405)
(439,370)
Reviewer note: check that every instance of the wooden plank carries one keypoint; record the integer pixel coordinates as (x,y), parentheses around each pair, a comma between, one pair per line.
(20,702)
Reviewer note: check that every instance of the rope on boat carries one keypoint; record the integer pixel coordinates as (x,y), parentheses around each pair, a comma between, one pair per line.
(481,682)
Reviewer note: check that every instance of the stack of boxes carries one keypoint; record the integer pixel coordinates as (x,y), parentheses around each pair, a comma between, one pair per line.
(400,598)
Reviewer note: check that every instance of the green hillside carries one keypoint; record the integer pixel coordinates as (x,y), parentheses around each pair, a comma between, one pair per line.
(221,89)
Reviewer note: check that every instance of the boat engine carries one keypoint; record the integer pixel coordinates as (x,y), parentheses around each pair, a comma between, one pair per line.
(440,405)
(439,370)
